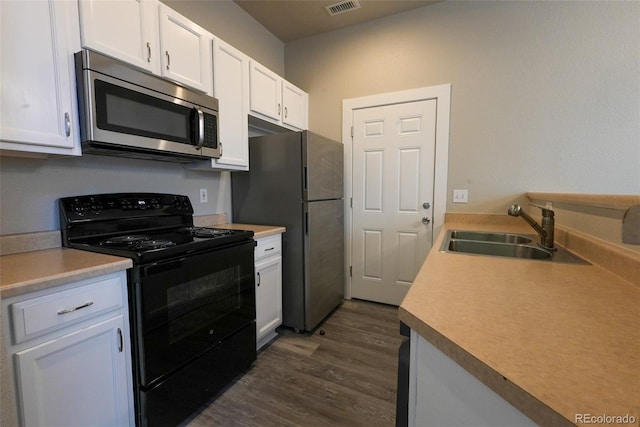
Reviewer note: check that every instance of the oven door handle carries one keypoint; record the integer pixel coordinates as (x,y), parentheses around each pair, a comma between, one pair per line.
(160,267)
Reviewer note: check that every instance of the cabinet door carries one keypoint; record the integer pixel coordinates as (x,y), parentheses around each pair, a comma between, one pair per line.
(37,79)
(268,296)
(295,102)
(265,92)
(185,51)
(79,379)
(126,30)
(231,87)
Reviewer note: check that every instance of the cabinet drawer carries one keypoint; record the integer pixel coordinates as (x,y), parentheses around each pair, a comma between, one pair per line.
(36,316)
(268,246)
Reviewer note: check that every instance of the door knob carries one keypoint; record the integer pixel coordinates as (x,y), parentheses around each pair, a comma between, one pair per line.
(426,220)
(426,205)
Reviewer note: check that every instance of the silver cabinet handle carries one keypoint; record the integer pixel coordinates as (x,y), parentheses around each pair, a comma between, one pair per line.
(80,307)
(148,52)
(285,112)
(279,109)
(67,124)
(258,284)
(121,341)
(269,249)
(168,59)
(220,148)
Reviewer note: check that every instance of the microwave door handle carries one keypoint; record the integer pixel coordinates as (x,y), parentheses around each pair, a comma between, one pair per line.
(200,136)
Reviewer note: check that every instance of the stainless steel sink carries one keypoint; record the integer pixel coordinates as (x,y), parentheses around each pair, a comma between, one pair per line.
(489,237)
(491,248)
(503,245)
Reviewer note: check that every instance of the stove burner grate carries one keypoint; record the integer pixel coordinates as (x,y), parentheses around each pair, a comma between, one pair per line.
(154,244)
(205,232)
(125,240)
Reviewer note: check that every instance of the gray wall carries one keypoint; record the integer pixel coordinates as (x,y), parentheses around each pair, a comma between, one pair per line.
(29,188)
(545,95)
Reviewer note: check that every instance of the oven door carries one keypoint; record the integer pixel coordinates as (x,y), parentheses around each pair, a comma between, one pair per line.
(188,305)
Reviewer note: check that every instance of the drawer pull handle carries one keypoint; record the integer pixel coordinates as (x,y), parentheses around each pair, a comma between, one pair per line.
(258,284)
(269,249)
(80,307)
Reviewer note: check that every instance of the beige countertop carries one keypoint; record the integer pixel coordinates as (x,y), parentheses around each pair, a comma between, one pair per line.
(38,269)
(259,231)
(553,339)
(31,271)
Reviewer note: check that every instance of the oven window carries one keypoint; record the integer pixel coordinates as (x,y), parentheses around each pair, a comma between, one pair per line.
(201,301)
(126,111)
(189,305)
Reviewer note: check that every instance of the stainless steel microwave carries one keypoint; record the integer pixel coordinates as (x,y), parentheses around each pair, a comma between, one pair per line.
(127,112)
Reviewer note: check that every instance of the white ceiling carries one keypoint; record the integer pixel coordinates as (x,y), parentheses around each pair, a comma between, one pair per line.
(294,19)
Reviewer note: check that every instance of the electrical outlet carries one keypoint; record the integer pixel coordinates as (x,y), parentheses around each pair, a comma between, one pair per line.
(460,196)
(203,196)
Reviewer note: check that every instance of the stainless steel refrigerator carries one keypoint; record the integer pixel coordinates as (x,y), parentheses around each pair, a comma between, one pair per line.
(295,180)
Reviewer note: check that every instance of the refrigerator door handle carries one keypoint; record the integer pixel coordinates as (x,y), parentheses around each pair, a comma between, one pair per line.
(306,223)
(306,178)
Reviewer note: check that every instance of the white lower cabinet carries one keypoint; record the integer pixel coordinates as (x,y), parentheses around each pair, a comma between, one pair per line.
(70,354)
(442,393)
(268,258)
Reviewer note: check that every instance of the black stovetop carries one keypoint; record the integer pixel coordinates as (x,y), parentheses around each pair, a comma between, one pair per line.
(142,226)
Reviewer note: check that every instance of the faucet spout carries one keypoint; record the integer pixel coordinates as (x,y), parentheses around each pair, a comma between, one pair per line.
(545,231)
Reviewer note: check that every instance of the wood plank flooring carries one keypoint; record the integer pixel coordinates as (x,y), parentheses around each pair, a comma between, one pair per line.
(344,377)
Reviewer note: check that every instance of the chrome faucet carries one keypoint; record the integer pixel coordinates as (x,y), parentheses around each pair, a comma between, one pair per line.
(545,231)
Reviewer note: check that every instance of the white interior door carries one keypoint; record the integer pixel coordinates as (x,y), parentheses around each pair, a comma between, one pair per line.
(393,184)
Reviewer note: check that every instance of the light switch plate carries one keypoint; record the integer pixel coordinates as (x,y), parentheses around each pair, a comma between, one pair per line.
(460,196)
(203,196)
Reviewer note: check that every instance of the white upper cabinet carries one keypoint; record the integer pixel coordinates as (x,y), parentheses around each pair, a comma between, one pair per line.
(231,87)
(125,29)
(150,36)
(185,51)
(274,99)
(266,92)
(37,79)
(296,106)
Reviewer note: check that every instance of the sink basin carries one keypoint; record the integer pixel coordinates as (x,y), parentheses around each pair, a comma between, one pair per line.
(489,237)
(503,245)
(505,250)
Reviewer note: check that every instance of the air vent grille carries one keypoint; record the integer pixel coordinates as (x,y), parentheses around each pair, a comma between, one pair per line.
(342,7)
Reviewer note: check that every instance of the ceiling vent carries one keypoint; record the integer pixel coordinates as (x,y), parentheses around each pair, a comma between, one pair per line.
(342,7)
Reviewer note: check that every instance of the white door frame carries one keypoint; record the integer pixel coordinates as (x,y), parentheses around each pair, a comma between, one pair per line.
(442,95)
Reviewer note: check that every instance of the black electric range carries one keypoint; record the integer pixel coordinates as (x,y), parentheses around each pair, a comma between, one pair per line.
(143,226)
(191,296)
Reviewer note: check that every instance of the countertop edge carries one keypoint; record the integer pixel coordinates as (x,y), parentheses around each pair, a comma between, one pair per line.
(259,231)
(114,264)
(508,390)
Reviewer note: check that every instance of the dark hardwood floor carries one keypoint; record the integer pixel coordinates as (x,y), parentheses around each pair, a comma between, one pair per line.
(344,374)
